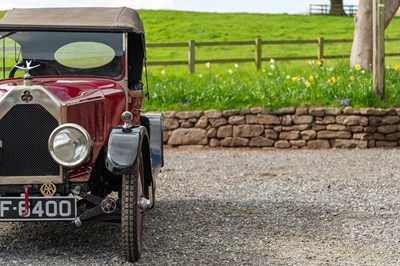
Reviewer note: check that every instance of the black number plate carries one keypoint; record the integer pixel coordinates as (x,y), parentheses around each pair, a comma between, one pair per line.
(40,209)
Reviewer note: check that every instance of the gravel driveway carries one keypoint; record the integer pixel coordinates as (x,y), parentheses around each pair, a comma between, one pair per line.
(243,207)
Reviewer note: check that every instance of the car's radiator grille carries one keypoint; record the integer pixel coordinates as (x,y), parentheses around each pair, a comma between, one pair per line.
(24,132)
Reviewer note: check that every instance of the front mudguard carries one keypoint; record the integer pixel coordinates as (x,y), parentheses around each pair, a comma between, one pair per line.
(123,147)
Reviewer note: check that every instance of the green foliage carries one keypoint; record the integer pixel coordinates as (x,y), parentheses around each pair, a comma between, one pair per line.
(277,86)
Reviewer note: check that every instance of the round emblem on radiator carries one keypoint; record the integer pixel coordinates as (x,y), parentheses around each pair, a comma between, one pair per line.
(27,97)
(48,189)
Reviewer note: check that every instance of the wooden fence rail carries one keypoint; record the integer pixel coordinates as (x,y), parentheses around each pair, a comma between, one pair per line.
(349,10)
(258,58)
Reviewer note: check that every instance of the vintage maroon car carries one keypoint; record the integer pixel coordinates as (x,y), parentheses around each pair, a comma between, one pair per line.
(75,144)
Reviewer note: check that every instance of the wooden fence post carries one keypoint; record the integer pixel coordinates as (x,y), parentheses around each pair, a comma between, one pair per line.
(258,58)
(378,36)
(191,56)
(320,54)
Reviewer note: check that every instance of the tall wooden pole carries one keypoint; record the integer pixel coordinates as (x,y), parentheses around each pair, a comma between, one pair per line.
(378,33)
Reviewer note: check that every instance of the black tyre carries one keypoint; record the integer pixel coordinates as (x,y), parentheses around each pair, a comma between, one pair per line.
(131,214)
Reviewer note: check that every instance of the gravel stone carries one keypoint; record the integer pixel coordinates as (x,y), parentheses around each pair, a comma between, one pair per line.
(243,207)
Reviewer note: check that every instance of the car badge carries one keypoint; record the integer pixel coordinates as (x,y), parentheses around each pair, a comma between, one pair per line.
(48,189)
(27,97)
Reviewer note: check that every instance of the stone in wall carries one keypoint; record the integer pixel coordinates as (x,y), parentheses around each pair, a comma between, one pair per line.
(228,113)
(333,111)
(261,142)
(335,127)
(213,113)
(186,124)
(298,143)
(390,119)
(385,144)
(215,142)
(202,122)
(188,136)
(248,131)
(350,111)
(370,129)
(267,119)
(257,110)
(234,142)
(327,134)
(372,111)
(225,131)
(212,133)
(217,122)
(189,114)
(287,120)
(302,111)
(289,135)
(308,134)
(363,136)
(393,137)
(325,120)
(317,111)
(349,143)
(387,129)
(236,120)
(355,120)
(282,144)
(318,144)
(303,119)
(355,129)
(271,134)
(375,120)
(170,123)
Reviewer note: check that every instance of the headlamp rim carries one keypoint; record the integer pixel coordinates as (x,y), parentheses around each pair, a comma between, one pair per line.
(88,143)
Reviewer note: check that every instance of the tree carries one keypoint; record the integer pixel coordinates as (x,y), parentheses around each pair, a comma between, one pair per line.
(361,51)
(337,8)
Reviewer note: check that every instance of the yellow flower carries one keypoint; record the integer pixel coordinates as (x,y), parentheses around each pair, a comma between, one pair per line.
(396,67)
(208,65)
(357,67)
(338,78)
(311,78)
(352,78)
(333,79)
(295,78)
(308,84)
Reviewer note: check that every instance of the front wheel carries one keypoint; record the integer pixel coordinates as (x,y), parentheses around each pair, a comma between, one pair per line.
(131,213)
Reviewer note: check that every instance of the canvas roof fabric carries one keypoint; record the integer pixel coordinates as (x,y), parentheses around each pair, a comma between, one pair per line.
(105,19)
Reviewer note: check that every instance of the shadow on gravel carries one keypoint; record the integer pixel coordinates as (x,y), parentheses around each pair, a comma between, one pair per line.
(185,232)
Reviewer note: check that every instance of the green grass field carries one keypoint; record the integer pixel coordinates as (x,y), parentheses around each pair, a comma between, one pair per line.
(295,83)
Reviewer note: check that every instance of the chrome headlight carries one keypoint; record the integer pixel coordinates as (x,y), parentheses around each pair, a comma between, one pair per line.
(70,145)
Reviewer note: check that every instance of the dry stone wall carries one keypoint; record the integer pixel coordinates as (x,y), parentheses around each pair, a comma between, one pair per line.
(314,128)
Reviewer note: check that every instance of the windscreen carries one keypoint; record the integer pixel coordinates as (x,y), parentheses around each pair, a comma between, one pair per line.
(62,53)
